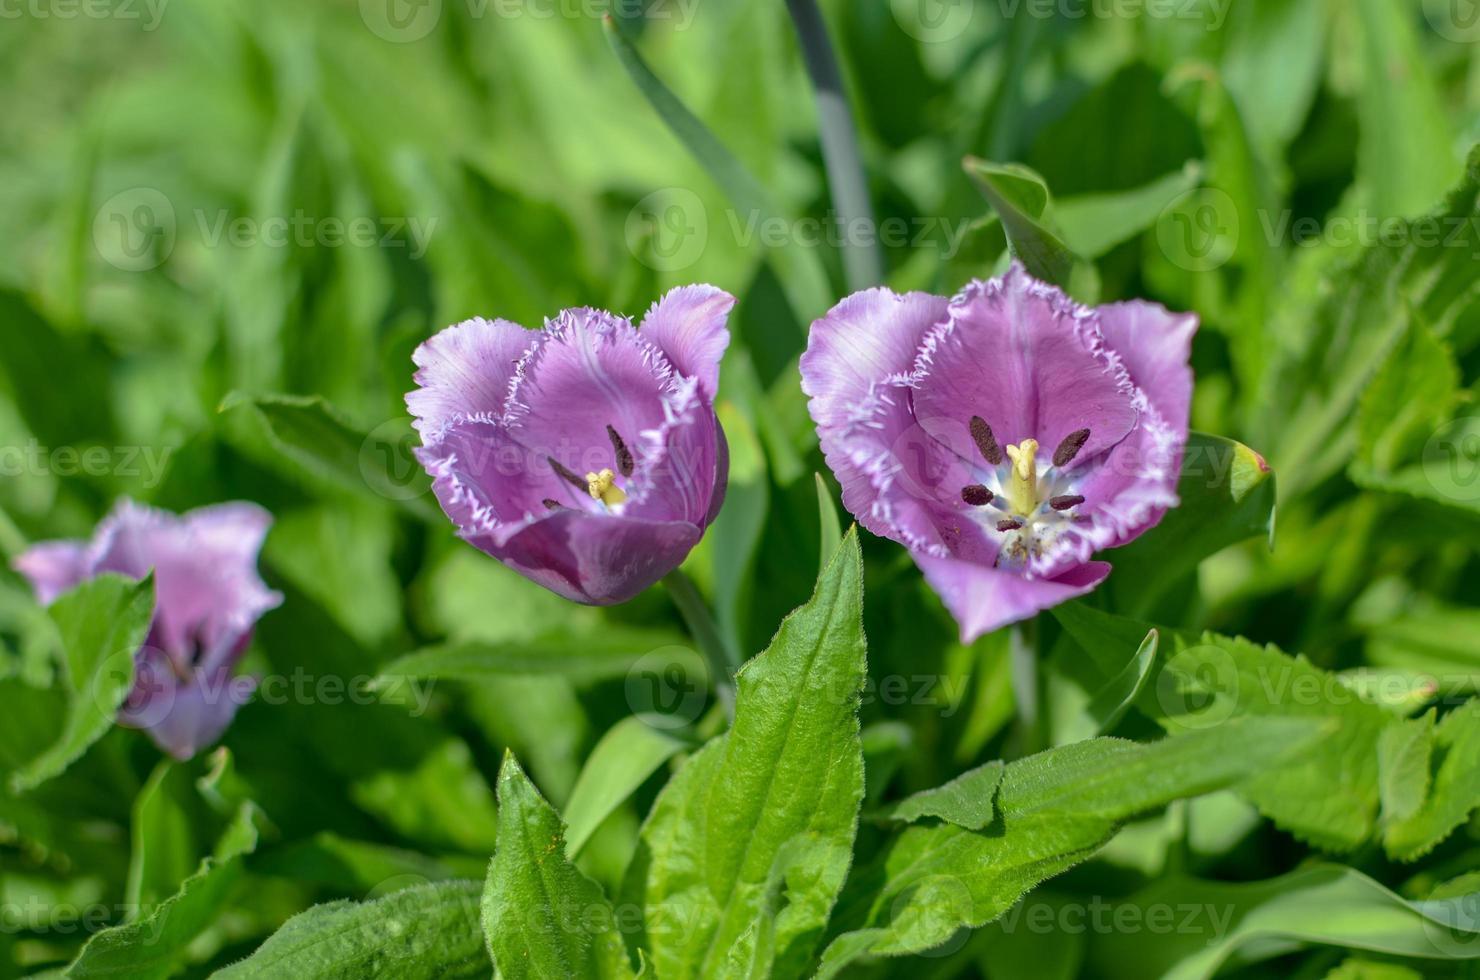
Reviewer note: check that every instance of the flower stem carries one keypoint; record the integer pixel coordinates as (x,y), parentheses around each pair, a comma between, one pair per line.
(722,661)
(1027,686)
(862,263)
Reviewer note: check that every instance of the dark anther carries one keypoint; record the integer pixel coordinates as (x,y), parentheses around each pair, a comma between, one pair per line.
(1066,501)
(624,455)
(1069,448)
(976,495)
(552,504)
(981,434)
(1012,524)
(566,474)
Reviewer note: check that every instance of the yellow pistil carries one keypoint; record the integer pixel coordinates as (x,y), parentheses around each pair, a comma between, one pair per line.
(1022,489)
(602,486)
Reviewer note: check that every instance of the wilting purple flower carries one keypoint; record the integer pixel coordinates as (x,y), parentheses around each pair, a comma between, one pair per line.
(208,597)
(1004,435)
(585,456)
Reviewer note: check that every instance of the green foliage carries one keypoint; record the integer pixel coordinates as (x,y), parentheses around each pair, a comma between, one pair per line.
(1265,729)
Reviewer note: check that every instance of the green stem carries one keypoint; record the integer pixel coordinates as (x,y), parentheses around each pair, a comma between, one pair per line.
(862,262)
(721,659)
(1027,686)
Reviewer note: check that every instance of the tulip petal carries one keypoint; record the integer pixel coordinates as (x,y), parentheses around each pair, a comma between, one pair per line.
(597,559)
(465,370)
(688,325)
(856,355)
(982,598)
(53,567)
(1028,360)
(1155,345)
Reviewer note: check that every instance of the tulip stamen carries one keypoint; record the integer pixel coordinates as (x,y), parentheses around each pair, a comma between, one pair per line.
(981,434)
(603,487)
(566,474)
(551,503)
(976,495)
(1011,524)
(625,462)
(1069,448)
(1065,501)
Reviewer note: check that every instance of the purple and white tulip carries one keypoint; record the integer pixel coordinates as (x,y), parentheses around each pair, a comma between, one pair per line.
(1005,435)
(208,598)
(585,456)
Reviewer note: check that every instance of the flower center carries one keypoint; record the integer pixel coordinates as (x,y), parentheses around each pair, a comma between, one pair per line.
(1031,507)
(1022,484)
(602,486)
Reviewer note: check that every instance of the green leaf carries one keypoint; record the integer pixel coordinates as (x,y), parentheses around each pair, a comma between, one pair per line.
(102,624)
(1329,795)
(1398,94)
(1455,792)
(1403,753)
(443,800)
(630,752)
(424,933)
(1020,198)
(1326,904)
(758,827)
(1093,224)
(1421,271)
(154,945)
(1227,495)
(965,801)
(1411,396)
(164,851)
(309,434)
(584,658)
(1103,709)
(827,516)
(799,268)
(542,917)
(360,867)
(1055,809)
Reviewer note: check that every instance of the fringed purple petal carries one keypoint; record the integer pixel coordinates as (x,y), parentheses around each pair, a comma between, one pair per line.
(982,598)
(688,325)
(1155,346)
(186,716)
(465,370)
(855,356)
(1027,359)
(680,461)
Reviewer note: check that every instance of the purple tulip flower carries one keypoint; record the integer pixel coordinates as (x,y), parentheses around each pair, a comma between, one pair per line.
(585,456)
(208,598)
(1003,436)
